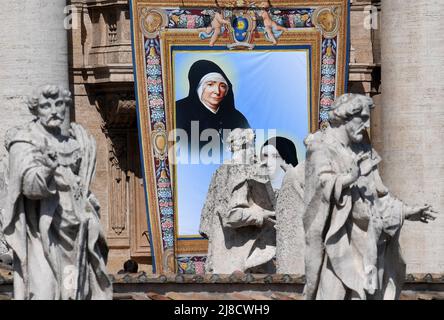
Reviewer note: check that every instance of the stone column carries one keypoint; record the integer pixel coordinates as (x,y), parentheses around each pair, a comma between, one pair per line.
(412,119)
(33,52)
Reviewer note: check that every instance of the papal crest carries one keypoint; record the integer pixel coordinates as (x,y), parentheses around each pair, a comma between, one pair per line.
(242,27)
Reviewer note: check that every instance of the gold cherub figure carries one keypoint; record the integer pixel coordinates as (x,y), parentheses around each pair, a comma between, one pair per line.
(214,30)
(272,29)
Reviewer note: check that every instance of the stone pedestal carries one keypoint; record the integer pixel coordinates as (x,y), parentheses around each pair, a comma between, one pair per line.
(412,120)
(33,52)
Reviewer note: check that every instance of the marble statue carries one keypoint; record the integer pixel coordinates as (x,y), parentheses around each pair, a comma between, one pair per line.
(290,237)
(51,218)
(238,215)
(351,220)
(5,251)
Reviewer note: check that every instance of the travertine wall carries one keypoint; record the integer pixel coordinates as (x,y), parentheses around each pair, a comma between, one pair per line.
(103,88)
(412,39)
(33,52)
(406,129)
(365,66)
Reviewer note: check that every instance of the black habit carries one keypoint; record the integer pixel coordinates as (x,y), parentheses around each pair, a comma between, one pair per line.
(191,108)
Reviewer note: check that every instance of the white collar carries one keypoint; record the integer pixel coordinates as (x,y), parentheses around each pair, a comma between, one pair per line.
(209,107)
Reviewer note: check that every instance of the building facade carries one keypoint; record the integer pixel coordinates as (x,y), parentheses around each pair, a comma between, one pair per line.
(98,67)
(102,77)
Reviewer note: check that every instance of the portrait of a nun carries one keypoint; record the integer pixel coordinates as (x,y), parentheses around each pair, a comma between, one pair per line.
(278,154)
(210,102)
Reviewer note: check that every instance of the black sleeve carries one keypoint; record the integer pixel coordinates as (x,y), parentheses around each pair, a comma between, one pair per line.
(241,121)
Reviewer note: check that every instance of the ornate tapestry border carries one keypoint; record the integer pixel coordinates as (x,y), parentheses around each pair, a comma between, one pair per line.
(156,24)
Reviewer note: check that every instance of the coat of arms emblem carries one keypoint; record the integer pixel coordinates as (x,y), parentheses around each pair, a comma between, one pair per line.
(241,29)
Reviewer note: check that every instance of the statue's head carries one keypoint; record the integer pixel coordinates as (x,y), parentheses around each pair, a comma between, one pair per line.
(353,112)
(240,139)
(49,104)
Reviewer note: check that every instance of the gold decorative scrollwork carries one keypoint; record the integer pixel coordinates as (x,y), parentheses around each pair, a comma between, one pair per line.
(169,264)
(159,138)
(152,21)
(327,20)
(241,3)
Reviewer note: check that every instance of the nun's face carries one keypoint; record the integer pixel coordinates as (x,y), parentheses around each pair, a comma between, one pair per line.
(272,159)
(213,93)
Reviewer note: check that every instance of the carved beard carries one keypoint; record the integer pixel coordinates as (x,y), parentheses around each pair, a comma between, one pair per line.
(54,122)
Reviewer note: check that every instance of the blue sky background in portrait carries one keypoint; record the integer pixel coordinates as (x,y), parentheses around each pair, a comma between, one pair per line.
(270,89)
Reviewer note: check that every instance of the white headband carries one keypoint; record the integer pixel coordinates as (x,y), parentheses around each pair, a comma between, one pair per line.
(213,76)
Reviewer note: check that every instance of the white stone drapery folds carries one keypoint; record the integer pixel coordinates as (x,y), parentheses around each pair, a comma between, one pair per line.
(51,219)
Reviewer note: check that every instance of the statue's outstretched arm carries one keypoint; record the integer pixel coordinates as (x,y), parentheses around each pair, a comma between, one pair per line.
(423,213)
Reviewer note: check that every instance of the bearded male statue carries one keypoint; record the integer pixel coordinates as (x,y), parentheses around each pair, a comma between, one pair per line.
(51,218)
(351,220)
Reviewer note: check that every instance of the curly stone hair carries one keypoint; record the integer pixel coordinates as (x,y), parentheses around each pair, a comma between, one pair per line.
(239,138)
(48,91)
(348,105)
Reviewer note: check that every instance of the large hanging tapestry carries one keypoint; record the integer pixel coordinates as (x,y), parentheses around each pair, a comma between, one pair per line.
(272,66)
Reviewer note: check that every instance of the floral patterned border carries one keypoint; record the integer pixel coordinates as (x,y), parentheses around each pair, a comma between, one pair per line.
(292,18)
(191,264)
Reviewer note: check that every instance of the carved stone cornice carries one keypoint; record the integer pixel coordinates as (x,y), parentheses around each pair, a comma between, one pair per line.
(106,55)
(367,76)
(117,110)
(100,3)
(361,5)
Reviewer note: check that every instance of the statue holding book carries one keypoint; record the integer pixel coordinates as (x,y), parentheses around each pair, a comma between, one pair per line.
(238,215)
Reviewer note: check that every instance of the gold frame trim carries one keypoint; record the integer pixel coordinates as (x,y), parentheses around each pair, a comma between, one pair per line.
(225,3)
(165,261)
(189,38)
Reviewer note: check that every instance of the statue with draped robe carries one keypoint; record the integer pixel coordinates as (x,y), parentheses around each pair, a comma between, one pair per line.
(238,215)
(351,220)
(51,219)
